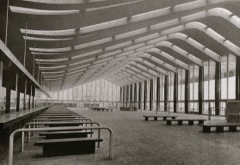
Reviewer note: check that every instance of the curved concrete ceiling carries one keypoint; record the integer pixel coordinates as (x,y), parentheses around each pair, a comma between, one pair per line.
(123,40)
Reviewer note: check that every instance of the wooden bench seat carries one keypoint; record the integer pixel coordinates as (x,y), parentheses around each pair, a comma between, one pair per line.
(45,116)
(101,109)
(164,117)
(69,146)
(232,127)
(63,124)
(125,108)
(65,134)
(190,121)
(108,109)
(60,114)
(96,108)
(61,119)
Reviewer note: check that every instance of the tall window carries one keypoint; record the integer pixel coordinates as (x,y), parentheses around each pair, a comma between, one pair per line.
(209,85)
(154,93)
(170,90)
(162,93)
(232,77)
(142,101)
(228,77)
(194,78)
(181,90)
(148,94)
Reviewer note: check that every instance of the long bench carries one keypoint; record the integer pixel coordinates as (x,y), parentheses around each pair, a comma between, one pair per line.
(125,109)
(61,116)
(61,123)
(68,146)
(65,134)
(101,109)
(155,117)
(189,121)
(232,127)
(61,119)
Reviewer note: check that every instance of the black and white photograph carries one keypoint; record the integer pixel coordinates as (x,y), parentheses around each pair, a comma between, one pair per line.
(119,82)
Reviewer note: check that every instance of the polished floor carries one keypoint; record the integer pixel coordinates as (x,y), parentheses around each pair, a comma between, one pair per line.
(139,142)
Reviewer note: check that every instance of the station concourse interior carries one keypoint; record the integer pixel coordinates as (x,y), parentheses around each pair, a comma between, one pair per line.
(128,81)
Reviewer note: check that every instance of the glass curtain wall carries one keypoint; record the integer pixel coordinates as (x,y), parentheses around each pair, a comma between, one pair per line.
(95,93)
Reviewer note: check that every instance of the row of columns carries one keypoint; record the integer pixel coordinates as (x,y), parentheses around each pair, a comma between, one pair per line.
(12,80)
(125,90)
(21,84)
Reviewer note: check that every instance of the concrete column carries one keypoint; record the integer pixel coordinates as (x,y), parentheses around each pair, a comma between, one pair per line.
(4,20)
(135,94)
(29,98)
(158,93)
(151,94)
(25,94)
(175,92)
(123,99)
(187,90)
(18,93)
(201,89)
(217,87)
(139,94)
(166,83)
(33,94)
(237,78)
(145,95)
(1,76)
(127,95)
(8,97)
(131,93)
(9,82)
(121,94)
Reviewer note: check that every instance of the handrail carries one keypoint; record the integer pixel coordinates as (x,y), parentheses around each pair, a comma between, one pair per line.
(11,138)
(43,123)
(60,122)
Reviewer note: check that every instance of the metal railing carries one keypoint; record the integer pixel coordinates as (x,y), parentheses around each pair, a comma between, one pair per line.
(11,138)
(36,124)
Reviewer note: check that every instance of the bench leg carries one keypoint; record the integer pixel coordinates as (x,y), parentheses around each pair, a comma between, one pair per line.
(201,122)
(232,128)
(22,143)
(155,118)
(206,129)
(146,118)
(164,118)
(29,134)
(220,129)
(180,122)
(169,122)
(190,122)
